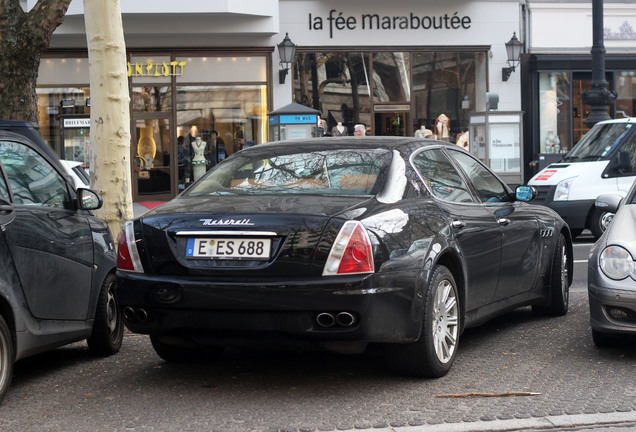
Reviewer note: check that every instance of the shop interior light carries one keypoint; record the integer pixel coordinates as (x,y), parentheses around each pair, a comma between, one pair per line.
(286,51)
(513,50)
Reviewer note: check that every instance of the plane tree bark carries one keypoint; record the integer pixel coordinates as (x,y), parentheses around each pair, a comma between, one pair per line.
(110,116)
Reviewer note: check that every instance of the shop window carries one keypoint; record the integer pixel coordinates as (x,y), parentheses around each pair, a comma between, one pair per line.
(225,118)
(447,87)
(625,94)
(338,85)
(55,104)
(554,113)
(151,99)
(391,77)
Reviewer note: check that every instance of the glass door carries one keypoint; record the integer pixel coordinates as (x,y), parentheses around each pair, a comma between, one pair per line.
(392,123)
(153,173)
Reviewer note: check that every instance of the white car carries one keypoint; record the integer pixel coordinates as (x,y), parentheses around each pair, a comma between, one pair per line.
(77,173)
(601,163)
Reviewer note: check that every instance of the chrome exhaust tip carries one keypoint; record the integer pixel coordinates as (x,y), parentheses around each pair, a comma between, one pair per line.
(129,313)
(325,319)
(142,315)
(345,319)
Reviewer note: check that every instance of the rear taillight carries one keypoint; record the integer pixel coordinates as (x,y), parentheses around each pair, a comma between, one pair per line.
(351,253)
(127,255)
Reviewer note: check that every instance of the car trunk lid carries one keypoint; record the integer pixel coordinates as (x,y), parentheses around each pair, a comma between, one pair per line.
(282,235)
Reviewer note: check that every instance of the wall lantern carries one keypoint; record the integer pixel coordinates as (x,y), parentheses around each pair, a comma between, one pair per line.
(286,51)
(513,49)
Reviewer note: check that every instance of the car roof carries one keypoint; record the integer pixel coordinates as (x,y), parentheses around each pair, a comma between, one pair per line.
(620,120)
(330,143)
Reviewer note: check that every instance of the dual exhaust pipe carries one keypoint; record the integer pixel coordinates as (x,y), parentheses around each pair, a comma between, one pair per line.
(340,319)
(139,314)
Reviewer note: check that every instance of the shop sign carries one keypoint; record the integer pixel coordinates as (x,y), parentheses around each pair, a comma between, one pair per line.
(298,119)
(337,21)
(156,69)
(625,32)
(77,122)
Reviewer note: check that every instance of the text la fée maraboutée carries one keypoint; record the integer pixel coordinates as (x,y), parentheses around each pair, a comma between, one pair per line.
(338,21)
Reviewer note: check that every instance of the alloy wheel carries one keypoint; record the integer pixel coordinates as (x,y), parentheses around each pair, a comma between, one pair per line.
(445,321)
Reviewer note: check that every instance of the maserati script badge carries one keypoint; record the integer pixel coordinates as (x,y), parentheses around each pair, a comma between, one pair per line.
(231,222)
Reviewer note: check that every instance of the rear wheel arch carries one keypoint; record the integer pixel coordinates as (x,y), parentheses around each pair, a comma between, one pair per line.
(453,263)
(7,313)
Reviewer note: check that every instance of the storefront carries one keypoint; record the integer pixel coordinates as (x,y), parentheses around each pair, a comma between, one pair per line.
(201,84)
(557,70)
(405,69)
(188,111)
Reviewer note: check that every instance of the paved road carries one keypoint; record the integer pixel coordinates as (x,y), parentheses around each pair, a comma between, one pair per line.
(578,384)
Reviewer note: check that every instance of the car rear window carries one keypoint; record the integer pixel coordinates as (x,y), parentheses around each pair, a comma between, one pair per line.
(337,172)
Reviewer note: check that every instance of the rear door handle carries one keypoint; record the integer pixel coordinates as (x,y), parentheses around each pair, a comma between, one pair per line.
(503,221)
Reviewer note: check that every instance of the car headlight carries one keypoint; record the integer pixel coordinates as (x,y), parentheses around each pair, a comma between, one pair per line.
(562,191)
(617,263)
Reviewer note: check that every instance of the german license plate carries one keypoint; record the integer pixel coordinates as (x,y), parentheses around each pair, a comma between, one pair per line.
(228,248)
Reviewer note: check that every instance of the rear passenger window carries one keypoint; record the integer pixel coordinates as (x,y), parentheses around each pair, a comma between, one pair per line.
(441,177)
(32,179)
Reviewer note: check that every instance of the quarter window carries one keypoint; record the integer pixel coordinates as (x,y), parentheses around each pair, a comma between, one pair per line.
(33,180)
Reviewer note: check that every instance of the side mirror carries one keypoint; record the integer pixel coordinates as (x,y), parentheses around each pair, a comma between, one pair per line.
(525,193)
(608,202)
(88,199)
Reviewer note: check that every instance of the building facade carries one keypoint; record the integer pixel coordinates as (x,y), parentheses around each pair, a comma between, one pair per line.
(557,68)
(207,74)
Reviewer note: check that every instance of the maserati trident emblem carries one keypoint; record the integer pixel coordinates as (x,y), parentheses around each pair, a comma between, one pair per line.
(226,222)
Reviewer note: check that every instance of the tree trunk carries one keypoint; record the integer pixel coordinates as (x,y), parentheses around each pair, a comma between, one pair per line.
(23,38)
(110,116)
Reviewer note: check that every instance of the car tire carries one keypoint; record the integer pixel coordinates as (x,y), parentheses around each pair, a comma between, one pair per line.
(7,355)
(605,340)
(599,222)
(108,327)
(559,283)
(434,353)
(172,352)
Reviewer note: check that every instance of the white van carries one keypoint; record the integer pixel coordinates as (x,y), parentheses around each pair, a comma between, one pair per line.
(603,162)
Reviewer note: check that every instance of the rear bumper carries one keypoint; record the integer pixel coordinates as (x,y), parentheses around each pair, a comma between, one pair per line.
(384,309)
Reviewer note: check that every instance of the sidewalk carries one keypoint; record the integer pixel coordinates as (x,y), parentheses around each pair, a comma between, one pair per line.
(588,422)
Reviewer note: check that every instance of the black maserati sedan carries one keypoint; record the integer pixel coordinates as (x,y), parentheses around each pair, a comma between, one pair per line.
(337,243)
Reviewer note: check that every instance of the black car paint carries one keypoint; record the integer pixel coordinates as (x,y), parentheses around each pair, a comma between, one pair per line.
(62,239)
(214,307)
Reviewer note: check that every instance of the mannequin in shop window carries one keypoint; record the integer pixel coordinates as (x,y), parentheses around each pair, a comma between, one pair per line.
(422,132)
(322,127)
(339,130)
(198,161)
(442,128)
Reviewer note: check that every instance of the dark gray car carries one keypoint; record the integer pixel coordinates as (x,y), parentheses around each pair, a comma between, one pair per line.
(57,260)
(612,272)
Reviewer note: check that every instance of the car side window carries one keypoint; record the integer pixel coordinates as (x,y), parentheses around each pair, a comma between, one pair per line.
(441,177)
(4,189)
(32,179)
(630,147)
(489,188)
